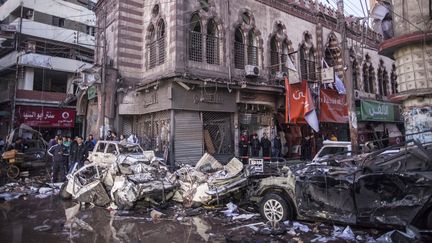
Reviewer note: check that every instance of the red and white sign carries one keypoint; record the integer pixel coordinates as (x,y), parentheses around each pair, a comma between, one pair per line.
(37,116)
(333,106)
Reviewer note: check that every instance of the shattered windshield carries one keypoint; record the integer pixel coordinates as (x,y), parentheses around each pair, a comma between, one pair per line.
(130,148)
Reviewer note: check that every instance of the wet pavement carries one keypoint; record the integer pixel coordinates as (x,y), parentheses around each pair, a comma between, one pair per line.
(31,219)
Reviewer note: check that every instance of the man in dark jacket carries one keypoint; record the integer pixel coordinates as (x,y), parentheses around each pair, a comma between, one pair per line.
(78,153)
(266,145)
(255,145)
(277,146)
(59,154)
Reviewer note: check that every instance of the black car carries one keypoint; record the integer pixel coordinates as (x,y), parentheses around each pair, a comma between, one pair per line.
(391,187)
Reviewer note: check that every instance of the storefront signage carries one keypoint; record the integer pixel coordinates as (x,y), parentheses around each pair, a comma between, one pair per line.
(37,116)
(333,107)
(91,92)
(377,111)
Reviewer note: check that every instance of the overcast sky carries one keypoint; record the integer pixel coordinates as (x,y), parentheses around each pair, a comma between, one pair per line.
(351,6)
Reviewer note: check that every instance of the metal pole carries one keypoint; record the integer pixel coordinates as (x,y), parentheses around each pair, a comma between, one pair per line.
(348,80)
(15,87)
(103,76)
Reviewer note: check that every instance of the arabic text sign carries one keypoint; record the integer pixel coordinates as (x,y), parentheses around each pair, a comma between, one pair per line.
(377,111)
(333,107)
(46,116)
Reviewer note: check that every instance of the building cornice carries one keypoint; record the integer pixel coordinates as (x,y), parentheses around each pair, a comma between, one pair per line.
(388,47)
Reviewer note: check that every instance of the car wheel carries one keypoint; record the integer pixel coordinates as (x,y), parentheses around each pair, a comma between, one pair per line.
(63,193)
(274,208)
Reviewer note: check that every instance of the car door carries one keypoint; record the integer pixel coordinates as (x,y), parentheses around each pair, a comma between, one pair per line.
(391,198)
(326,192)
(98,152)
(111,153)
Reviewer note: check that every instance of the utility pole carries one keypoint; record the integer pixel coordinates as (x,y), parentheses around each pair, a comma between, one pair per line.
(347,78)
(103,76)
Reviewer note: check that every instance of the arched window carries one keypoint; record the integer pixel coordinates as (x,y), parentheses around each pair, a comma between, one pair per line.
(355,73)
(252,48)
(380,80)
(385,82)
(274,55)
(151,47)
(161,42)
(303,62)
(284,56)
(212,43)
(365,71)
(311,65)
(195,39)
(371,79)
(239,49)
(393,78)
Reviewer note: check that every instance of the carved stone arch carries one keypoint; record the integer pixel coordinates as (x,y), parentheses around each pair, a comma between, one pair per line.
(240,20)
(150,32)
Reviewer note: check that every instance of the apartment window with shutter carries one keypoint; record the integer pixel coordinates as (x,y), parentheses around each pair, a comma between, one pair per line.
(252,48)
(195,39)
(161,42)
(380,80)
(56,21)
(212,43)
(284,56)
(365,78)
(274,55)
(151,47)
(239,49)
(371,79)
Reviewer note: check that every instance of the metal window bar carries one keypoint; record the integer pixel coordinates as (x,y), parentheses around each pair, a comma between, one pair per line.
(152,55)
(252,55)
(195,46)
(274,61)
(161,50)
(311,71)
(239,55)
(218,133)
(284,60)
(212,49)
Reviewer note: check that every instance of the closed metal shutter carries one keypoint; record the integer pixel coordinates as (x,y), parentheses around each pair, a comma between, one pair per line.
(127,125)
(188,146)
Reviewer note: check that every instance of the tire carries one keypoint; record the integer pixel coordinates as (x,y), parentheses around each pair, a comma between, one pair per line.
(63,193)
(13,171)
(274,207)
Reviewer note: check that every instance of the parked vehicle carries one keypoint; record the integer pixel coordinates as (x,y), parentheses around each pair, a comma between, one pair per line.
(331,148)
(381,188)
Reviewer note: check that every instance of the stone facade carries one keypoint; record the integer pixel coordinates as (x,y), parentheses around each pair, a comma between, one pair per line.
(188,57)
(412,50)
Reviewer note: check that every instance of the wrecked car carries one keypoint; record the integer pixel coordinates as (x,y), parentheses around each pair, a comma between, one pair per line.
(121,174)
(380,189)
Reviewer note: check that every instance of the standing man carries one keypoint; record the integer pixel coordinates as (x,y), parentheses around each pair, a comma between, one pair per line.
(255,146)
(59,154)
(277,146)
(79,153)
(89,143)
(243,149)
(53,141)
(110,136)
(266,145)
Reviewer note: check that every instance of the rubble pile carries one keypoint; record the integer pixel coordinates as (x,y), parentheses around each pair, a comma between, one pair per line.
(37,186)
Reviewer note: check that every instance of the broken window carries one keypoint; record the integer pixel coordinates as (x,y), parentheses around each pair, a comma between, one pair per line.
(252,49)
(195,39)
(212,43)
(274,55)
(239,49)
(50,81)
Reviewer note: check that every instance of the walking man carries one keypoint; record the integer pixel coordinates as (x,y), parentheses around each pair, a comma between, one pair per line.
(59,154)
(78,153)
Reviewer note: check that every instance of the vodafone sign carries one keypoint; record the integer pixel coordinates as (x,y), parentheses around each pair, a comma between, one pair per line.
(333,107)
(37,116)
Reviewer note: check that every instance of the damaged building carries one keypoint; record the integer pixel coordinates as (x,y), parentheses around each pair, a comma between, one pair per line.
(44,45)
(190,77)
(410,46)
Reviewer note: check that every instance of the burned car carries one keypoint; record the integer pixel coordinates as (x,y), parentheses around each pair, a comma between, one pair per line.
(121,174)
(379,189)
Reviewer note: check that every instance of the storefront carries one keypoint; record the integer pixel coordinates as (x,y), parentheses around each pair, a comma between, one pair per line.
(379,121)
(333,115)
(47,120)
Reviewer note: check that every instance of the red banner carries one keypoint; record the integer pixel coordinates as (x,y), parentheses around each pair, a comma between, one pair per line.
(334,107)
(298,102)
(37,116)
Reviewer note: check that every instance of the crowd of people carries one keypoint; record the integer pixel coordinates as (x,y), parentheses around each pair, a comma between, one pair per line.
(255,146)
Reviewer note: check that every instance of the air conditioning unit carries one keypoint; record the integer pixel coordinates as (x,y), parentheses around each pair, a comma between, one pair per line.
(252,71)
(280,75)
